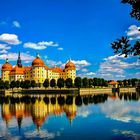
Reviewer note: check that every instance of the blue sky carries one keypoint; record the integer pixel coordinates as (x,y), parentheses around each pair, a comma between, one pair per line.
(61,29)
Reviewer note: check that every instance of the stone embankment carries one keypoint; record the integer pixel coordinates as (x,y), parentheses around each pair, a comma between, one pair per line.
(89,91)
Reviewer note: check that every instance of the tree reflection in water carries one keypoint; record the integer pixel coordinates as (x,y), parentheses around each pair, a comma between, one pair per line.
(40,107)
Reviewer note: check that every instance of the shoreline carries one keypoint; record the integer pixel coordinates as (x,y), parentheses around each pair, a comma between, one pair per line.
(81,91)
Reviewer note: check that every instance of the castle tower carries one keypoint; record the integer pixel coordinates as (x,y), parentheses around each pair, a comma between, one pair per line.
(19,61)
(6,68)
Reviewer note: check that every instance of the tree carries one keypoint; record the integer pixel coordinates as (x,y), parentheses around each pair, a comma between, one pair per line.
(60,83)
(17,84)
(120,83)
(123,46)
(133,81)
(95,82)
(52,83)
(12,84)
(33,83)
(90,82)
(125,83)
(1,84)
(6,85)
(22,84)
(68,83)
(78,82)
(27,84)
(46,83)
(135,4)
(85,82)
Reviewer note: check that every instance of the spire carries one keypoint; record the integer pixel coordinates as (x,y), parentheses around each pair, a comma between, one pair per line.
(19,60)
(37,55)
(19,54)
(6,60)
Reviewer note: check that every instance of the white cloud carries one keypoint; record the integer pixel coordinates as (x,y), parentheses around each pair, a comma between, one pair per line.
(40,45)
(3,51)
(4,46)
(114,67)
(34,46)
(10,39)
(16,24)
(52,63)
(13,57)
(84,70)
(60,49)
(87,74)
(81,62)
(133,32)
(49,43)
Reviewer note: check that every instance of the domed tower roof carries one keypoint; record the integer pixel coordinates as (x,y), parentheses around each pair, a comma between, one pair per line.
(70,65)
(38,61)
(7,66)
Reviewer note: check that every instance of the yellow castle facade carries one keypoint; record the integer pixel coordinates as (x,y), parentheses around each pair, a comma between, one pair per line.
(38,71)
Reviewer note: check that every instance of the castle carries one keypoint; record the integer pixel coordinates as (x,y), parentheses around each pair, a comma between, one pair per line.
(38,71)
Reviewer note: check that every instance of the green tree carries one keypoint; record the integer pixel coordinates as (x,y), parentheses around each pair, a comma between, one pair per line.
(135,4)
(129,82)
(125,83)
(6,85)
(33,83)
(27,84)
(90,82)
(123,46)
(17,84)
(68,83)
(60,82)
(134,81)
(22,84)
(95,81)
(12,84)
(46,83)
(1,84)
(85,82)
(52,83)
(78,82)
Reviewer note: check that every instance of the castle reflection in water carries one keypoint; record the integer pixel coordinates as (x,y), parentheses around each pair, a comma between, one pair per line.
(39,108)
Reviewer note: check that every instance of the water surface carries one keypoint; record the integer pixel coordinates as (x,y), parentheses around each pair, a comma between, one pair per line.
(103,116)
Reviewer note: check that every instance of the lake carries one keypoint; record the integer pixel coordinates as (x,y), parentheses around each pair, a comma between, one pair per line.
(113,116)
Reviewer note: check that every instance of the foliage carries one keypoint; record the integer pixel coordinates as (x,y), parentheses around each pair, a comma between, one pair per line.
(13,84)
(6,85)
(129,82)
(68,83)
(1,84)
(52,83)
(135,4)
(85,82)
(90,82)
(27,84)
(46,83)
(78,82)
(33,83)
(60,82)
(22,85)
(122,46)
(17,84)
